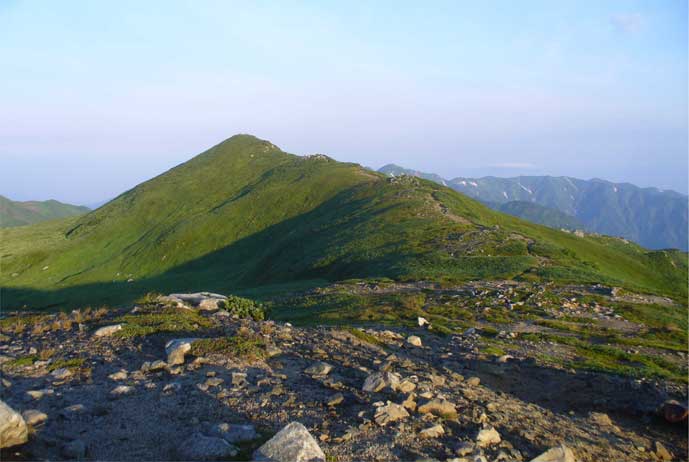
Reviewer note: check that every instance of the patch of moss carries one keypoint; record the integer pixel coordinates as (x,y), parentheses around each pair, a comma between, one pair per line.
(241,345)
(141,325)
(364,336)
(73,363)
(22,361)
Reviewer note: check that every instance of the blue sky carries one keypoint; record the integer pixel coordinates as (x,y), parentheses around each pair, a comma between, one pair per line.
(98,96)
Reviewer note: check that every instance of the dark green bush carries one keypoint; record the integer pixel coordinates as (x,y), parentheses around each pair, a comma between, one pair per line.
(244,308)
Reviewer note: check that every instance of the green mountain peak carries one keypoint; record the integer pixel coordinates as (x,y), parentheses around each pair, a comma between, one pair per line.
(245,214)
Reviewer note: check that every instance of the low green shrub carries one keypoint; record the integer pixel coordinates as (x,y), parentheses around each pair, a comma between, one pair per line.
(244,308)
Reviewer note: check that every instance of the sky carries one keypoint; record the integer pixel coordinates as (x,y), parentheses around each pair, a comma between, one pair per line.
(96,97)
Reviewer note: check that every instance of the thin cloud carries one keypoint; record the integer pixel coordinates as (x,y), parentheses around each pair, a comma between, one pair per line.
(628,22)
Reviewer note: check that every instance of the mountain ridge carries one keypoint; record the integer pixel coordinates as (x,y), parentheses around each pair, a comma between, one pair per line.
(650,216)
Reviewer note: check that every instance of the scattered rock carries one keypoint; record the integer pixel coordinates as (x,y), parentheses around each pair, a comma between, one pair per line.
(239,379)
(435,431)
(473,381)
(201,447)
(410,402)
(601,419)
(13,430)
(293,443)
(34,417)
(176,349)
(319,368)
(379,381)
(414,340)
(214,381)
(157,365)
(422,321)
(62,373)
(107,331)
(121,390)
(488,437)
(559,454)
(336,399)
(440,408)
(406,386)
(172,387)
(662,452)
(38,394)
(211,304)
(390,413)
(119,375)
(71,412)
(464,448)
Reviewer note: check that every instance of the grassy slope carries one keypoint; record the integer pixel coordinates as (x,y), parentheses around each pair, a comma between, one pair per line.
(14,213)
(245,214)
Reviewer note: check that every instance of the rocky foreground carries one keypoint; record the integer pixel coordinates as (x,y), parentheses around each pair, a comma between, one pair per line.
(179,378)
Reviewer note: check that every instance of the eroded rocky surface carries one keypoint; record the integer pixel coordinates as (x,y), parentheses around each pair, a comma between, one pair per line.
(120,394)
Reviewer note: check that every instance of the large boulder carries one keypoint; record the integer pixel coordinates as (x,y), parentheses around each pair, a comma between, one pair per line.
(176,349)
(200,300)
(13,429)
(293,443)
(200,447)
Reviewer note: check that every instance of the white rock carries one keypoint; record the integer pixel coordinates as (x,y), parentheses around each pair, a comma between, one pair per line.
(488,437)
(293,443)
(176,349)
(38,394)
(121,390)
(422,321)
(13,430)
(414,341)
(558,454)
(107,331)
(202,300)
(62,373)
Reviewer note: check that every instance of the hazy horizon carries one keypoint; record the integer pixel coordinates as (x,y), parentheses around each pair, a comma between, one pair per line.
(98,97)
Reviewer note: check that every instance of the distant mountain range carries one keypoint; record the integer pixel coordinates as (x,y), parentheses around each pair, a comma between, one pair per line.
(652,217)
(15,213)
